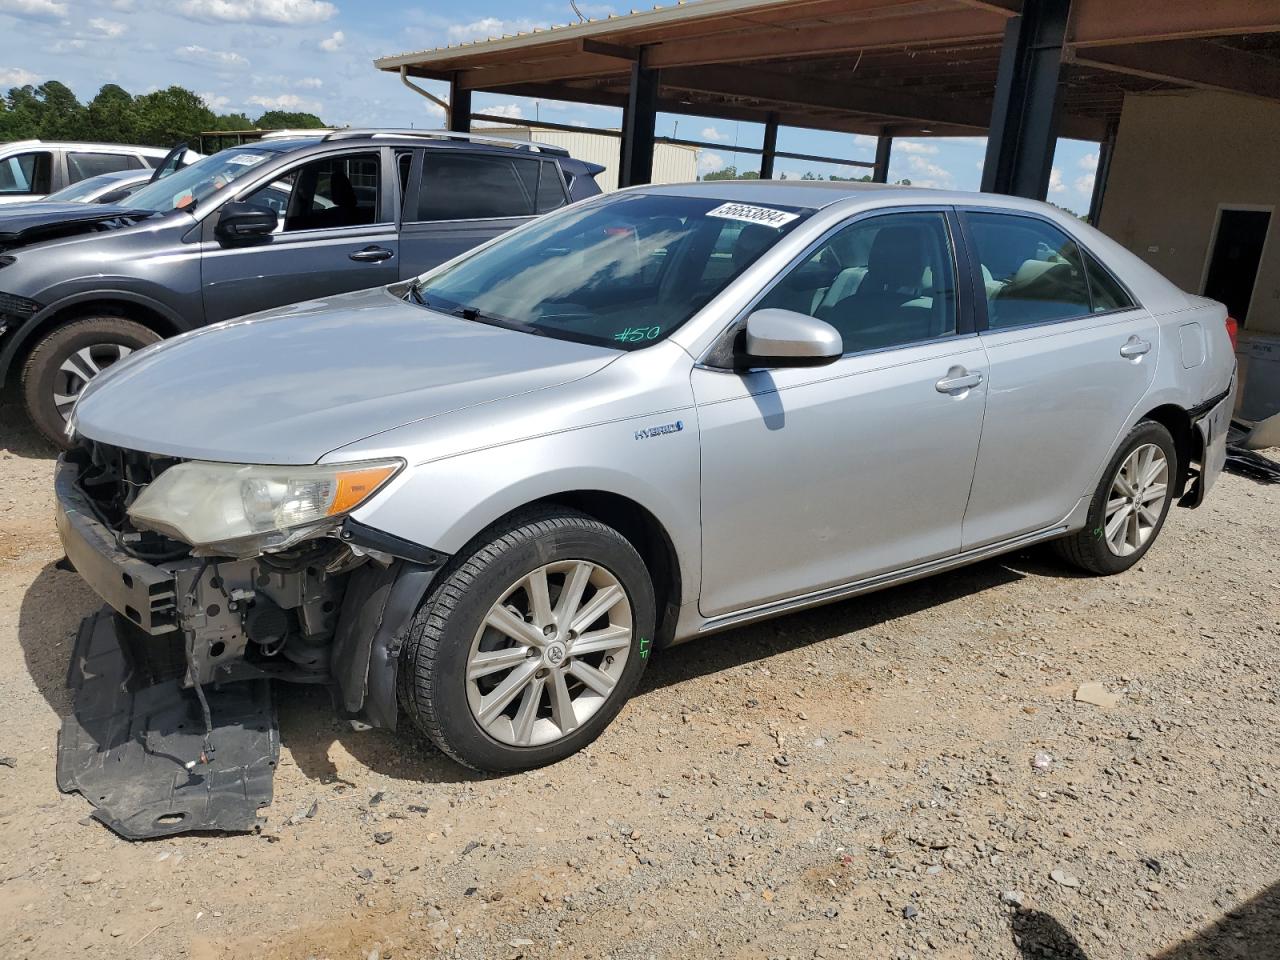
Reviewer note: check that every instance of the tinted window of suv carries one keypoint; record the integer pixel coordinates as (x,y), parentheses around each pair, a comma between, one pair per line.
(332,192)
(26,173)
(81,166)
(461,186)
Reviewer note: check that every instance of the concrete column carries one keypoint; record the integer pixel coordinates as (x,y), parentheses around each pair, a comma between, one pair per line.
(1024,117)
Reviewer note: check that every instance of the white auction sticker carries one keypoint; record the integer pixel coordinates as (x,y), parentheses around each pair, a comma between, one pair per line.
(765,216)
(246,159)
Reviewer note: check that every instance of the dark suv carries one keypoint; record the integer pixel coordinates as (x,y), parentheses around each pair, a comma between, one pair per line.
(253,227)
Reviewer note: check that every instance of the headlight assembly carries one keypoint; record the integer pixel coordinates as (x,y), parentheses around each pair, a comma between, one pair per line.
(242,510)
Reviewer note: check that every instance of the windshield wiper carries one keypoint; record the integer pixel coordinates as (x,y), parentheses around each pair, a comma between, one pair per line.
(416,294)
(477,315)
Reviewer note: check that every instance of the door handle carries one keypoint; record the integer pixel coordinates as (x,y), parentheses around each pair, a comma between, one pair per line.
(958,380)
(371,254)
(1135,347)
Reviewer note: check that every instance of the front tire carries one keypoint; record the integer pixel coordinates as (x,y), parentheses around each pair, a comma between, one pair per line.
(529,643)
(1130,505)
(63,363)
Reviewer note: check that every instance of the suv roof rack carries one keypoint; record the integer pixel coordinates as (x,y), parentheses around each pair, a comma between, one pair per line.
(530,145)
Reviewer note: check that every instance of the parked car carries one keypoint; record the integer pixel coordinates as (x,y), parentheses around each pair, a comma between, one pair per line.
(252,227)
(32,169)
(490,492)
(104,188)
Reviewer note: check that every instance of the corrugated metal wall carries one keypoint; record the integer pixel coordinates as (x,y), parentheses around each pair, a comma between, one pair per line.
(671,163)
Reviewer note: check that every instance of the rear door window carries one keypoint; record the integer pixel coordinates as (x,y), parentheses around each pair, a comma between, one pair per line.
(1032,271)
(26,173)
(462,186)
(81,166)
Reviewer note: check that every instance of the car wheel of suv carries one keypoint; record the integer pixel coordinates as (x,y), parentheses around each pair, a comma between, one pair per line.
(1130,505)
(64,362)
(529,643)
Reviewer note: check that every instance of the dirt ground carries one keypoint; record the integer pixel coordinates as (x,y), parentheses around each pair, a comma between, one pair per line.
(853,781)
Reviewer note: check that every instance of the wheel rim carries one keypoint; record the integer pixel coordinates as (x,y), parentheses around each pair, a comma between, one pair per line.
(549,653)
(79,368)
(1136,500)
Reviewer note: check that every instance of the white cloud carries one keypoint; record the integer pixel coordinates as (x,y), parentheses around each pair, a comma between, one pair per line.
(309,83)
(915,146)
(110,29)
(1084,184)
(862,140)
(333,43)
(290,12)
(714,135)
(124,6)
(926,173)
(1089,162)
(215,101)
(511,111)
(218,58)
(488,27)
(1055,181)
(16,77)
(34,9)
(709,162)
(286,101)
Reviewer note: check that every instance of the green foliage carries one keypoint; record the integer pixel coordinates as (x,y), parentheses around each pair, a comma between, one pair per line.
(731,173)
(161,118)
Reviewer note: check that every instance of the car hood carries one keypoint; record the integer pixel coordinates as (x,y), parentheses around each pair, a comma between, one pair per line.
(290,385)
(23,224)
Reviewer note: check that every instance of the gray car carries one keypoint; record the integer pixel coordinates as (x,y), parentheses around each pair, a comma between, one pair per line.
(252,227)
(482,498)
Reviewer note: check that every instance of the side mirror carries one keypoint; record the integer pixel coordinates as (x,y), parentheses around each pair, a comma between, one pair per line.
(784,338)
(240,220)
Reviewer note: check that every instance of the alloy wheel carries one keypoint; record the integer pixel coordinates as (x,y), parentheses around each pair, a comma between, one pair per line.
(79,368)
(1136,500)
(549,653)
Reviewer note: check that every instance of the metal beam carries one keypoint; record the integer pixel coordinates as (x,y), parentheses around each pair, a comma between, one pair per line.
(459,119)
(884,152)
(639,124)
(1105,151)
(1197,63)
(1096,22)
(1024,118)
(770,152)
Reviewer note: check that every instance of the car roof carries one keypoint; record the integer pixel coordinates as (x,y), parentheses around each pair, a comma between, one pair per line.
(84,145)
(428,139)
(816,194)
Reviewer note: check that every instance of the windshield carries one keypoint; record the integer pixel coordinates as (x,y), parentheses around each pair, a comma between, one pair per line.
(84,189)
(185,189)
(624,273)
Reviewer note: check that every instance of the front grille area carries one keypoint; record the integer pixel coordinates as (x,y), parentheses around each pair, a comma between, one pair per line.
(112,478)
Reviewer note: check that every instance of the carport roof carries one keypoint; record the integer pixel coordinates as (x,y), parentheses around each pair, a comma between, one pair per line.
(916,67)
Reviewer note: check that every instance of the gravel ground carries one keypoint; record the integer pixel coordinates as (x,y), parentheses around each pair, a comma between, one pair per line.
(860,780)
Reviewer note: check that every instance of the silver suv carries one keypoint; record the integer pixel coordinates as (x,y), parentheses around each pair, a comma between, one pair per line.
(483,497)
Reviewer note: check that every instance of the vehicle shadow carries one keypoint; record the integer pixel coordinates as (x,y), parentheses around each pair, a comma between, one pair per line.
(759,641)
(17,435)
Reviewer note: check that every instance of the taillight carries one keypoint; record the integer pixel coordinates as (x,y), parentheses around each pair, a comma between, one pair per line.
(1233,331)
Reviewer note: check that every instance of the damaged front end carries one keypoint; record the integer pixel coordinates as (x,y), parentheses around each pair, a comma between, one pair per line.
(325,604)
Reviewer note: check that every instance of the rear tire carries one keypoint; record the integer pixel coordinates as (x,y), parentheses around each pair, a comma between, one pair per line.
(556,705)
(67,359)
(1118,534)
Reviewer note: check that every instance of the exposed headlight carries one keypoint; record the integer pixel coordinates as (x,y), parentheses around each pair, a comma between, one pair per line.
(241,510)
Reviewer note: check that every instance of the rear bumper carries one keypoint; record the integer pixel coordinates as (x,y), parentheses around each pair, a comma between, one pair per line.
(146,595)
(1211,422)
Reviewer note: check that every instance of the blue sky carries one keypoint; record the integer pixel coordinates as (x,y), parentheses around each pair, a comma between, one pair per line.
(316,55)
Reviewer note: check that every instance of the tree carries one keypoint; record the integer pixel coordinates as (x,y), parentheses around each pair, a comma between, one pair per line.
(286,119)
(168,116)
(112,116)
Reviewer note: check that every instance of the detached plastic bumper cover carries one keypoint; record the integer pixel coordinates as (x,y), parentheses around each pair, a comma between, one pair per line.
(126,745)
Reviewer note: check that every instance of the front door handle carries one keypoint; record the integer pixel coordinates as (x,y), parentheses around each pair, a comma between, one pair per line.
(958,380)
(372,254)
(1135,347)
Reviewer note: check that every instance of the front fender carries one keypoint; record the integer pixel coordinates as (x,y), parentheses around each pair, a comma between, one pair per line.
(444,503)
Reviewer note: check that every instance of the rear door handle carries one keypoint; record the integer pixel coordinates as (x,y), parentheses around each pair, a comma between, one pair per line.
(372,254)
(958,380)
(1135,347)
